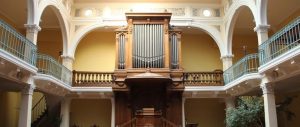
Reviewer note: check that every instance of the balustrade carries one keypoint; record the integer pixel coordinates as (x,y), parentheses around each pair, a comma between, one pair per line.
(83,78)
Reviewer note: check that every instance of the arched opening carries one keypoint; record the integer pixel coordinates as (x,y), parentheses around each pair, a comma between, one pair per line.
(96,51)
(244,38)
(50,38)
(199,51)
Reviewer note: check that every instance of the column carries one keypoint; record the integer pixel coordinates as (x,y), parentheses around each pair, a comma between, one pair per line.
(25,107)
(67,61)
(183,112)
(230,102)
(113,112)
(269,105)
(65,112)
(262,33)
(32,32)
(227,61)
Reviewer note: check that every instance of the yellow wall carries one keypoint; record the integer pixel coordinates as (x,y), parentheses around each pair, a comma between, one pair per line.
(50,42)
(239,40)
(88,112)
(10,106)
(96,52)
(205,112)
(200,53)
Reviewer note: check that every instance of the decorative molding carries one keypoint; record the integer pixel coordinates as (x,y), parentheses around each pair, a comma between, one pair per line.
(261,28)
(267,88)
(226,57)
(32,28)
(28,90)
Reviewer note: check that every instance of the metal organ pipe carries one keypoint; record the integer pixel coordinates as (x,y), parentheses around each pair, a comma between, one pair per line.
(148,46)
(121,51)
(174,51)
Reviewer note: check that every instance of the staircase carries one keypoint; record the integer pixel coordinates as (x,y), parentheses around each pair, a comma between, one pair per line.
(39,111)
(160,122)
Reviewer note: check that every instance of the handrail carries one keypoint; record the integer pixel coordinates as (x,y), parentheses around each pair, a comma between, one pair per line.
(84,78)
(127,123)
(39,108)
(16,44)
(246,65)
(214,78)
(48,65)
(284,40)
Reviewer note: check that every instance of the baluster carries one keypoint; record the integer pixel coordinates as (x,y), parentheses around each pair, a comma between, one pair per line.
(93,80)
(97,77)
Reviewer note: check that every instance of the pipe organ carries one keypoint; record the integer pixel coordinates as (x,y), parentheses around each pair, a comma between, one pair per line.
(148,42)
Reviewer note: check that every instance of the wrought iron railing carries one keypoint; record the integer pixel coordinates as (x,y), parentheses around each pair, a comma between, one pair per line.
(83,78)
(214,78)
(48,65)
(286,39)
(246,65)
(16,44)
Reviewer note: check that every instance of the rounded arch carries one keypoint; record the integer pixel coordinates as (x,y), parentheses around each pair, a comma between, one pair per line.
(81,34)
(63,22)
(233,13)
(214,33)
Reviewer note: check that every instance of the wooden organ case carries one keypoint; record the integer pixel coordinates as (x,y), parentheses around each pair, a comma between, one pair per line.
(148,73)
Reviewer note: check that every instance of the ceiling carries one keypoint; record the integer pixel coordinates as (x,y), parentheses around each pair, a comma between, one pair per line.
(278,10)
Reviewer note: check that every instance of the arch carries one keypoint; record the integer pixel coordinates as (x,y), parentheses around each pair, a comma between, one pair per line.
(80,34)
(63,22)
(233,12)
(213,32)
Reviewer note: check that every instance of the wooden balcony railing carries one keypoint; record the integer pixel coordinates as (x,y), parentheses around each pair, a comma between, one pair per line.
(82,78)
(214,78)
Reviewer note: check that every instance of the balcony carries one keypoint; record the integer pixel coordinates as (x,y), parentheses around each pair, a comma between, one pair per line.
(245,66)
(203,78)
(281,47)
(51,72)
(16,49)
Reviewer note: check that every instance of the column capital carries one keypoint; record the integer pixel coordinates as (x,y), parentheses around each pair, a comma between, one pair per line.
(28,90)
(261,28)
(68,58)
(32,28)
(226,57)
(68,61)
(267,88)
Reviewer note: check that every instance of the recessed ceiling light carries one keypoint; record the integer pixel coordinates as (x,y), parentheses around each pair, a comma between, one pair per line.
(88,12)
(206,13)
